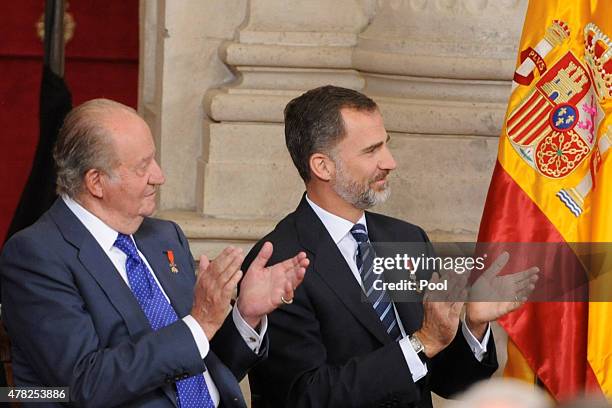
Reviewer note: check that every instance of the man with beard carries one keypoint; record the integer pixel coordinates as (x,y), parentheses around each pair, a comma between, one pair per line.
(329,347)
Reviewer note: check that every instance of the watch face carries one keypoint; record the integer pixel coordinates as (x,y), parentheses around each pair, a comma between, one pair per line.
(416,344)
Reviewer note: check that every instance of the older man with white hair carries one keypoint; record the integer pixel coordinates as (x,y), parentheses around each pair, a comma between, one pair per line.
(102,298)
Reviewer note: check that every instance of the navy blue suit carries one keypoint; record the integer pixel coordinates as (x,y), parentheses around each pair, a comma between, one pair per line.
(74,322)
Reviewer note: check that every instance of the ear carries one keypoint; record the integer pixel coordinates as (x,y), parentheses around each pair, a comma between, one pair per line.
(93,182)
(321,166)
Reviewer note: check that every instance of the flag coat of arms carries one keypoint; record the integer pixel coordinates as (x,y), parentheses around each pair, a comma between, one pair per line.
(553,183)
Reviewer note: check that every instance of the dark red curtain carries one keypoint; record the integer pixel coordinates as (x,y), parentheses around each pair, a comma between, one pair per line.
(101,61)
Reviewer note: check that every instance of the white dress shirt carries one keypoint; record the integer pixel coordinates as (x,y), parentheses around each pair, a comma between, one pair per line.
(106,236)
(340,231)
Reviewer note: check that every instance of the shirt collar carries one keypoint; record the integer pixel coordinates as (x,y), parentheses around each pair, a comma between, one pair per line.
(105,235)
(337,226)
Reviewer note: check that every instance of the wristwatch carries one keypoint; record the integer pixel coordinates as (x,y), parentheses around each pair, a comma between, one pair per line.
(418,346)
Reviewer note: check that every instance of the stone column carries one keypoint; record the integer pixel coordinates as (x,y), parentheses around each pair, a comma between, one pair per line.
(179,57)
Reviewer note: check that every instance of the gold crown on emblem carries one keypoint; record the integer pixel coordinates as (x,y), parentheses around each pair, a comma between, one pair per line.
(598,56)
(557,32)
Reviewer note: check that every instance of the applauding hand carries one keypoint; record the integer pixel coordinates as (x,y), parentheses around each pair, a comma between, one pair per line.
(263,288)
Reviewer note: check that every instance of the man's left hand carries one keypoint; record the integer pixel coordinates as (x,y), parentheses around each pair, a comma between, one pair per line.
(507,293)
(263,288)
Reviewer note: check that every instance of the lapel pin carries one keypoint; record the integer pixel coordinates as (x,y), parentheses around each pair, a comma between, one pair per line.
(412,276)
(171,263)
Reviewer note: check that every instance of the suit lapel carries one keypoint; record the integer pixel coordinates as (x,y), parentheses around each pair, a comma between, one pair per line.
(155,249)
(95,261)
(331,266)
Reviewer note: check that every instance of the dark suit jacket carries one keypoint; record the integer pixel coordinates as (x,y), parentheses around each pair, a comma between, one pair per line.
(329,348)
(74,322)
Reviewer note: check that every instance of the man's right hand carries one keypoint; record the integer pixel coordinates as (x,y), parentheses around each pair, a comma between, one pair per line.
(214,288)
(441,317)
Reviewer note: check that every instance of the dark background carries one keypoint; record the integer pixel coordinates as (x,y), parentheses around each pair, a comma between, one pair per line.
(101,61)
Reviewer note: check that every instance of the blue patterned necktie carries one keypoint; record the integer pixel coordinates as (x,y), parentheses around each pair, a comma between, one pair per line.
(191,392)
(379,298)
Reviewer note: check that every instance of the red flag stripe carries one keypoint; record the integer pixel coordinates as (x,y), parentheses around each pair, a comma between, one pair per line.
(535,115)
(515,116)
(533,127)
(551,336)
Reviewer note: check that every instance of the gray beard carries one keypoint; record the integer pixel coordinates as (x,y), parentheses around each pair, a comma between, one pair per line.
(360,196)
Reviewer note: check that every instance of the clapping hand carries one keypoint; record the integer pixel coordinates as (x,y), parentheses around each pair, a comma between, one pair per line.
(493,296)
(214,289)
(263,288)
(442,311)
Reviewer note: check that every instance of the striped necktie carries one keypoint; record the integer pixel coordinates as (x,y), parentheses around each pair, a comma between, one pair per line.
(379,298)
(191,392)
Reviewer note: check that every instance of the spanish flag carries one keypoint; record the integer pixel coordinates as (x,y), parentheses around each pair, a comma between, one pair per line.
(553,183)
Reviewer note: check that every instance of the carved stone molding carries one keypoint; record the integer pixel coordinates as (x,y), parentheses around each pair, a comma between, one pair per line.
(298,22)
(463,39)
(454,6)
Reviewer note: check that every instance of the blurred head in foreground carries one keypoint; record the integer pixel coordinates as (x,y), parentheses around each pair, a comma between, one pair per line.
(502,393)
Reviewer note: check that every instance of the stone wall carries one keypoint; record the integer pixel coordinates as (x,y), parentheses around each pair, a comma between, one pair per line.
(216,76)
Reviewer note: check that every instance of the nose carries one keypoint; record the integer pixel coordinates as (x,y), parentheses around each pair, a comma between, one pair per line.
(157,175)
(387,161)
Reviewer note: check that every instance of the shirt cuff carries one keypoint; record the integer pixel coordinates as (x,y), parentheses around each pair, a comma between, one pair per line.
(478,348)
(250,336)
(418,369)
(198,335)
